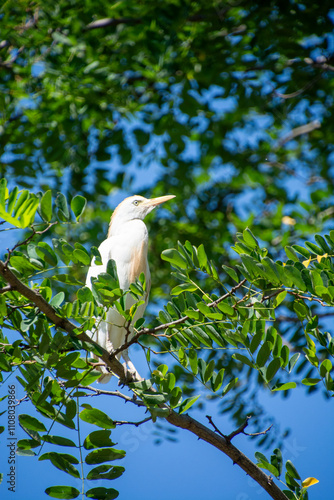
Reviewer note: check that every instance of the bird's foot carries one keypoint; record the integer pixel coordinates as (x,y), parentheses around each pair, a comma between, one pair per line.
(130,375)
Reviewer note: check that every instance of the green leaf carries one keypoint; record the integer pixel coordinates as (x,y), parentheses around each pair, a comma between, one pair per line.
(184,287)
(187,403)
(279,298)
(284,387)
(202,257)
(295,275)
(193,361)
(29,422)
(105,472)
(290,252)
(175,258)
(85,294)
(3,188)
(61,204)
(104,455)
(231,272)
(218,381)
(272,369)
(97,417)
(293,361)
(291,469)
(82,256)
(255,342)
(276,460)
(64,492)
(153,398)
(261,458)
(271,468)
(230,386)
(303,251)
(78,205)
(263,354)
(314,248)
(249,238)
(46,206)
(62,462)
(226,308)
(209,370)
(322,243)
(311,381)
(57,299)
(101,493)
(98,439)
(325,367)
(27,444)
(59,440)
(46,254)
(243,359)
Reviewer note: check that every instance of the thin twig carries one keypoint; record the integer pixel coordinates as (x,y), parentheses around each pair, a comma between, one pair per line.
(136,424)
(34,233)
(240,430)
(296,132)
(108,21)
(300,91)
(118,394)
(152,331)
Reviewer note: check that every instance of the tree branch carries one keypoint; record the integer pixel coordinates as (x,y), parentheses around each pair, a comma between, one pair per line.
(109,21)
(300,91)
(240,430)
(186,422)
(6,289)
(182,421)
(118,394)
(136,424)
(29,238)
(296,132)
(58,321)
(153,331)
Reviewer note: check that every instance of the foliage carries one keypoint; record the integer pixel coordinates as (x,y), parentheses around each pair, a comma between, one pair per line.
(242,319)
(229,107)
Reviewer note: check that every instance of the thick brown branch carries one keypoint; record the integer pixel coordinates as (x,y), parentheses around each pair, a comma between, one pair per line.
(63,323)
(181,421)
(219,442)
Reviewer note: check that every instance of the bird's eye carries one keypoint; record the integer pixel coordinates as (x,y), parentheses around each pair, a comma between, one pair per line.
(136,202)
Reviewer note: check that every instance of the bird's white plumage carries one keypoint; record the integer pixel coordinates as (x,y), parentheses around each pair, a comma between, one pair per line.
(126,244)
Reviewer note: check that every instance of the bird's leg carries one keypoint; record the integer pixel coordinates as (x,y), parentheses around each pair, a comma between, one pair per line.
(129,366)
(109,346)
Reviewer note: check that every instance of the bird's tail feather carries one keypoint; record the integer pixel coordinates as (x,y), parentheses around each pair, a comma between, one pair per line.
(104,379)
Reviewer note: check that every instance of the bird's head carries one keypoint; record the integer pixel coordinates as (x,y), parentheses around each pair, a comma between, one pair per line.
(135,207)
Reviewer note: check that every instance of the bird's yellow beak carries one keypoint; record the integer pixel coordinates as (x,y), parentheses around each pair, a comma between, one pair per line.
(157,201)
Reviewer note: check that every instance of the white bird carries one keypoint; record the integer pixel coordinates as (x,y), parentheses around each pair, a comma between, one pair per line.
(126,244)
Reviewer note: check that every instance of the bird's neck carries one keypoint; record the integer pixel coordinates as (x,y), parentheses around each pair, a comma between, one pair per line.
(129,227)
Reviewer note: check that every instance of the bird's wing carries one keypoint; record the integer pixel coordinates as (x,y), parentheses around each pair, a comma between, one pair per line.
(95,269)
(100,334)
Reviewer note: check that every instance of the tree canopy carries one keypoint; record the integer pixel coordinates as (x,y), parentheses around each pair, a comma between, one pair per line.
(226,105)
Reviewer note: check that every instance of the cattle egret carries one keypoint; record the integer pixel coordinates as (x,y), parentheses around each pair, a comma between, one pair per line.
(127,245)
